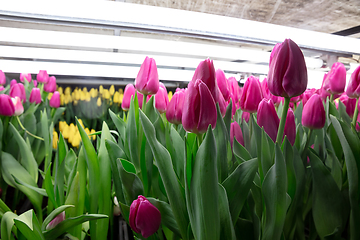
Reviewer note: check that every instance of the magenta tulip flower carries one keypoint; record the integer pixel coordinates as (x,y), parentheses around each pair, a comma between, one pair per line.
(42,76)
(19,109)
(307,94)
(268,118)
(222,82)
(335,80)
(144,217)
(147,80)
(313,115)
(13,82)
(245,116)
(50,86)
(18,90)
(161,99)
(234,89)
(35,83)
(290,127)
(353,88)
(58,219)
(199,109)
(287,71)
(235,131)
(7,107)
(252,95)
(2,78)
(128,93)
(35,96)
(55,100)
(175,107)
(350,104)
(26,76)
(2,88)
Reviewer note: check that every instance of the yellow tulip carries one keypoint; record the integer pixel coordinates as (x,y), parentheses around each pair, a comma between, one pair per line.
(68,99)
(66,131)
(121,91)
(60,90)
(170,94)
(106,94)
(93,93)
(81,122)
(87,97)
(101,89)
(55,140)
(93,136)
(82,95)
(49,96)
(112,90)
(62,124)
(62,99)
(117,97)
(121,98)
(76,141)
(85,89)
(77,95)
(68,90)
(98,103)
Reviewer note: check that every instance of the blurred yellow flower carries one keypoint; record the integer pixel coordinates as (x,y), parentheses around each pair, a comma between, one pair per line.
(55,140)
(77,95)
(87,97)
(101,89)
(67,99)
(66,131)
(106,94)
(85,90)
(62,99)
(112,90)
(62,124)
(67,90)
(121,91)
(60,90)
(170,94)
(82,95)
(93,136)
(76,140)
(98,103)
(50,95)
(93,93)
(117,97)
(81,122)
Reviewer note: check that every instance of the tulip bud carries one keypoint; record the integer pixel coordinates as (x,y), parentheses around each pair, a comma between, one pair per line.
(287,71)
(19,109)
(268,118)
(353,88)
(335,80)
(55,100)
(161,99)
(144,217)
(175,107)
(2,78)
(307,94)
(252,95)
(313,115)
(26,76)
(35,96)
(50,86)
(147,80)
(13,82)
(128,93)
(234,89)
(350,104)
(199,109)
(35,83)
(42,76)
(245,116)
(290,127)
(58,219)
(2,88)
(7,107)
(206,73)
(18,90)
(235,131)
(222,82)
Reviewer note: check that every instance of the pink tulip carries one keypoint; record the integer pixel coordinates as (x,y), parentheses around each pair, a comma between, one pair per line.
(335,80)
(7,107)
(2,88)
(268,118)
(290,127)
(42,76)
(234,89)
(350,104)
(35,96)
(275,48)
(2,78)
(147,80)
(18,90)
(19,109)
(251,96)
(58,219)
(235,131)
(128,93)
(26,76)
(50,86)
(287,71)
(353,88)
(175,107)
(245,116)
(144,217)
(161,99)
(307,94)
(13,82)
(223,84)
(313,115)
(199,108)
(55,100)
(35,83)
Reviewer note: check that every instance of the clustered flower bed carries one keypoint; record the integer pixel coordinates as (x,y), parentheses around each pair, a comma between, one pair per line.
(272,160)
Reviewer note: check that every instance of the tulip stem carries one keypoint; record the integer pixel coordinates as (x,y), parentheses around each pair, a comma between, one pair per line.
(200,138)
(356,112)
(280,133)
(27,130)
(303,154)
(332,97)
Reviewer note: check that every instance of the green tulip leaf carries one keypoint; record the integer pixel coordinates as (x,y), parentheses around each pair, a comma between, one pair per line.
(238,185)
(121,127)
(132,136)
(146,163)
(266,152)
(131,182)
(240,152)
(41,191)
(343,114)
(173,189)
(45,133)
(29,226)
(228,116)
(221,138)
(244,229)
(8,226)
(227,230)
(53,214)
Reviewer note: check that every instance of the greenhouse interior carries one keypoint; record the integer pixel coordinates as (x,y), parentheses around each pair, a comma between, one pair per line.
(169,120)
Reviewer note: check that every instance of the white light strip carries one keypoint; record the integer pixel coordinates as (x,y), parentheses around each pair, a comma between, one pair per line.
(69,39)
(122,58)
(176,21)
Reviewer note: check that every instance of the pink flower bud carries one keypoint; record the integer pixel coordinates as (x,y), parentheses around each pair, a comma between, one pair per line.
(19,109)
(55,100)
(350,104)
(245,116)
(307,94)
(223,84)
(50,86)
(26,76)
(335,80)
(161,99)
(235,131)
(175,107)
(353,88)
(147,80)
(13,82)
(252,95)
(199,109)
(144,217)
(268,118)
(35,96)
(290,127)
(58,219)
(234,89)
(35,83)
(2,88)
(42,76)
(2,78)
(7,107)
(128,93)
(313,115)
(18,90)
(287,71)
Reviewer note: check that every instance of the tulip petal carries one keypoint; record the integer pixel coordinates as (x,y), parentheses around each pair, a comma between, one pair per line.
(207,109)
